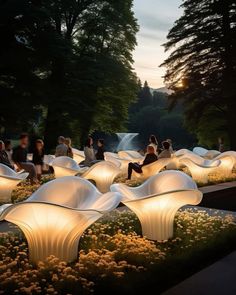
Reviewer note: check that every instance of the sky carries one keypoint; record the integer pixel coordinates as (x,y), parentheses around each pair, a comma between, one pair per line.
(155,18)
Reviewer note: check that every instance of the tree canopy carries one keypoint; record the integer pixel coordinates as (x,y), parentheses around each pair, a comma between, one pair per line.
(201,68)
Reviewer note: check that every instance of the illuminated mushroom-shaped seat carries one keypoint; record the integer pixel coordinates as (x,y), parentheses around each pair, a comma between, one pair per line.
(117,161)
(200,168)
(65,166)
(8,181)
(103,174)
(157,200)
(78,155)
(177,156)
(134,156)
(152,169)
(208,154)
(56,215)
(227,164)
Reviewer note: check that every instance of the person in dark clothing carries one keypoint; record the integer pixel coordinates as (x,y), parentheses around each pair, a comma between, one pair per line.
(38,155)
(100,151)
(3,156)
(19,156)
(149,158)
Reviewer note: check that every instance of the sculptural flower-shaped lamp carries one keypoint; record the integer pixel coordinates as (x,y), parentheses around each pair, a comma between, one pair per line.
(56,215)
(200,168)
(8,181)
(158,199)
(103,174)
(65,166)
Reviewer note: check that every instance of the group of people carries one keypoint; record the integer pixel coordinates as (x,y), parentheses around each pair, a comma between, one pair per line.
(17,158)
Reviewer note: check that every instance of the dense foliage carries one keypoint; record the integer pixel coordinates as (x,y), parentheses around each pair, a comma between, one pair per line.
(66,66)
(201,68)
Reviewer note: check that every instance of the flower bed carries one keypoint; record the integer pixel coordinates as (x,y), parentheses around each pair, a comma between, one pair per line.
(113,256)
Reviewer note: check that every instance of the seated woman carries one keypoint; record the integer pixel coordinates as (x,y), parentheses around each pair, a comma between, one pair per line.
(38,155)
(100,150)
(166,152)
(3,156)
(69,147)
(149,158)
(89,152)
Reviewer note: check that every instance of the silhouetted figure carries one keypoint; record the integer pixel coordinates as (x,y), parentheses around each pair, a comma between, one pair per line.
(61,149)
(3,156)
(100,150)
(38,155)
(149,158)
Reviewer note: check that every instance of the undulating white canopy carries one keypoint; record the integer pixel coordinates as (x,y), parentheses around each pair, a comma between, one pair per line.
(227,164)
(117,161)
(133,156)
(8,181)
(56,215)
(208,154)
(157,200)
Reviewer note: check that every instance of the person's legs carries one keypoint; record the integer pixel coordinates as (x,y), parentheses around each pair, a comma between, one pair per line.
(133,166)
(39,171)
(30,168)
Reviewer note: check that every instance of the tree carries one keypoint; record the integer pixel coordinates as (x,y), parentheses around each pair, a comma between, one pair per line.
(201,68)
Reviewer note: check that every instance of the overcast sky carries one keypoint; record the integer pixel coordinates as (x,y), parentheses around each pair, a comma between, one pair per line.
(155,18)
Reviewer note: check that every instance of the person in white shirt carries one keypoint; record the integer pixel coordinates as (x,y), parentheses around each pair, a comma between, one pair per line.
(62,148)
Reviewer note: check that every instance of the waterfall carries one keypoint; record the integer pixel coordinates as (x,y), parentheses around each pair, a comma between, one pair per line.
(125,141)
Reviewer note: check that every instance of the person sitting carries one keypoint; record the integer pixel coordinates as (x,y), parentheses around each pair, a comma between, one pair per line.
(153,142)
(171,146)
(149,158)
(4,157)
(62,148)
(38,155)
(9,151)
(166,153)
(100,150)
(69,147)
(19,156)
(89,152)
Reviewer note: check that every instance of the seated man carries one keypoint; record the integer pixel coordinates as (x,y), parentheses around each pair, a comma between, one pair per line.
(3,156)
(149,158)
(19,156)
(166,152)
(62,148)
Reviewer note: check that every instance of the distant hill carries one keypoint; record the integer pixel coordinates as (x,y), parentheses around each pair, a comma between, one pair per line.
(162,90)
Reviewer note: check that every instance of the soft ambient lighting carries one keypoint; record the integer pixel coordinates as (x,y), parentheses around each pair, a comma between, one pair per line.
(200,168)
(157,200)
(131,155)
(78,155)
(103,173)
(65,166)
(56,215)
(8,181)
(227,163)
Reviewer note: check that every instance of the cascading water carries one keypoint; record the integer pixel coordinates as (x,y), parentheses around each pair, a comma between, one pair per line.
(125,141)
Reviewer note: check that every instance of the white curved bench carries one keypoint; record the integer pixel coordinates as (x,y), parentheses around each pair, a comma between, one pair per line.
(56,215)
(8,181)
(158,199)
(134,156)
(103,173)
(200,168)
(152,169)
(208,154)
(228,161)
(65,166)
(78,155)
(120,163)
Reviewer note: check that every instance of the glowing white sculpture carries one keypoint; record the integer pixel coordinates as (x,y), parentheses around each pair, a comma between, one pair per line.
(78,156)
(227,164)
(56,215)
(65,166)
(132,155)
(158,199)
(200,168)
(208,154)
(8,181)
(117,161)
(152,169)
(103,173)
(48,159)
